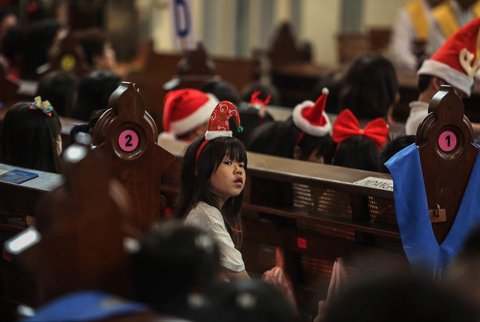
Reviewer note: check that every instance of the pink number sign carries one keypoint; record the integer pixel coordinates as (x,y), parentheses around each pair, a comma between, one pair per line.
(128,140)
(447,141)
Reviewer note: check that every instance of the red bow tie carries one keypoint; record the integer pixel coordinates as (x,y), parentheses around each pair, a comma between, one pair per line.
(347,125)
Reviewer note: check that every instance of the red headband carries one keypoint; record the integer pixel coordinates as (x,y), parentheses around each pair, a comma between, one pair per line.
(347,125)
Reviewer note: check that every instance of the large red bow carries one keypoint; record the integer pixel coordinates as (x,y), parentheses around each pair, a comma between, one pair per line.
(347,125)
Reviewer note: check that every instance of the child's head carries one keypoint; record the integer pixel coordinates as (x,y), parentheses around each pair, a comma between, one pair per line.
(223,91)
(30,136)
(94,91)
(254,113)
(370,87)
(59,87)
(214,168)
(173,263)
(304,136)
(265,90)
(98,51)
(358,148)
(250,300)
(394,146)
(186,113)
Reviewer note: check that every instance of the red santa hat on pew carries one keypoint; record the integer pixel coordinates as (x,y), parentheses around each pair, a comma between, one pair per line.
(311,118)
(456,61)
(186,109)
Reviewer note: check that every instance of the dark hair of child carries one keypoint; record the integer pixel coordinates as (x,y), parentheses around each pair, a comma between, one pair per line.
(265,91)
(250,300)
(29,138)
(93,42)
(251,119)
(94,91)
(369,87)
(195,180)
(174,262)
(392,147)
(222,90)
(86,127)
(357,152)
(59,87)
(280,139)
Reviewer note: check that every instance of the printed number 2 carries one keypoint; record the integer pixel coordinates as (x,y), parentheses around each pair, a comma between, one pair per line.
(129,140)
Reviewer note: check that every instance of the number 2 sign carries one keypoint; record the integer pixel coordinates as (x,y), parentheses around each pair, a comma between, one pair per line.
(447,141)
(128,140)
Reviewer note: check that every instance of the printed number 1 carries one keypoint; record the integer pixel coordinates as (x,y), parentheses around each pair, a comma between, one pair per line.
(448,140)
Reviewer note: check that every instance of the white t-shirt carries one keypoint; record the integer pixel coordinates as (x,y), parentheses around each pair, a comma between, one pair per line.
(418,112)
(210,219)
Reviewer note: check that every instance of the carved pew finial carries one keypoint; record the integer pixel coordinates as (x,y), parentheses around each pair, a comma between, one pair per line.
(127,135)
(447,154)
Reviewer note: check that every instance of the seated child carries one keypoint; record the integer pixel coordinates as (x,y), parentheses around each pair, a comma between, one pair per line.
(30,136)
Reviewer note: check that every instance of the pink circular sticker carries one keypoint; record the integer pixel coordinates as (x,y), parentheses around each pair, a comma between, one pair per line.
(128,140)
(447,141)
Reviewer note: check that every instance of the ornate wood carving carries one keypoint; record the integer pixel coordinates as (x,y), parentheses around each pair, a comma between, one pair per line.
(447,154)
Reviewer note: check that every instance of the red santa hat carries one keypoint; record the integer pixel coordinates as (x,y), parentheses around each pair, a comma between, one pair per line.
(186,109)
(311,118)
(456,61)
(219,125)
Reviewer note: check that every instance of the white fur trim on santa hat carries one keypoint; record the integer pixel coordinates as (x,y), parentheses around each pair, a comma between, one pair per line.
(200,116)
(452,76)
(305,125)
(210,135)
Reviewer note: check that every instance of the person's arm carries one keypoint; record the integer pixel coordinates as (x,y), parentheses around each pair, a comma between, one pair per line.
(228,275)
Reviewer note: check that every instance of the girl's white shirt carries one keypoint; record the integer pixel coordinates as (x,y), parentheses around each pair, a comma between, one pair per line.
(210,219)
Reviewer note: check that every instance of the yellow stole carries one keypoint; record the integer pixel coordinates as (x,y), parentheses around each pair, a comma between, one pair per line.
(446,19)
(420,23)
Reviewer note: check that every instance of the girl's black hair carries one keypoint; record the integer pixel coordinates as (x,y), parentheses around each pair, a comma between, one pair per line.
(369,87)
(280,138)
(195,180)
(174,260)
(60,88)
(94,91)
(28,138)
(251,119)
(357,152)
(265,90)
(392,147)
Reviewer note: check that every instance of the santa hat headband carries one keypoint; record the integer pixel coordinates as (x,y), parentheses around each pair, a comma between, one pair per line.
(219,125)
(456,61)
(186,109)
(311,118)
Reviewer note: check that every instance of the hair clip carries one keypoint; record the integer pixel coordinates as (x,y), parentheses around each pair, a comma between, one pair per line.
(44,106)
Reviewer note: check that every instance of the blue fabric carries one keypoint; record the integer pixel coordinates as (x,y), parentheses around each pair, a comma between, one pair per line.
(85,306)
(418,239)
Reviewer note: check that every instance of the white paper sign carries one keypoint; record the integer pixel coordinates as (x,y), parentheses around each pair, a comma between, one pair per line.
(373,182)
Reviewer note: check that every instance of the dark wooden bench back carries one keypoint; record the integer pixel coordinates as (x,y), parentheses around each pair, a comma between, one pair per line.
(447,154)
(127,135)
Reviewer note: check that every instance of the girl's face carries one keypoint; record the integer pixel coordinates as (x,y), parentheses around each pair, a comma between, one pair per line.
(228,180)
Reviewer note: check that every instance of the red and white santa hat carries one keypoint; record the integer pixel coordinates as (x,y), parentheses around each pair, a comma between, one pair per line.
(456,61)
(311,118)
(219,124)
(186,109)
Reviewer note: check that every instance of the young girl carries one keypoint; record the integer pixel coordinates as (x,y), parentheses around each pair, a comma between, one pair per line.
(30,136)
(212,181)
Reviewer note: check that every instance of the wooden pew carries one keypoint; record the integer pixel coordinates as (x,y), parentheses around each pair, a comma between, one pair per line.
(82,228)
(127,135)
(338,212)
